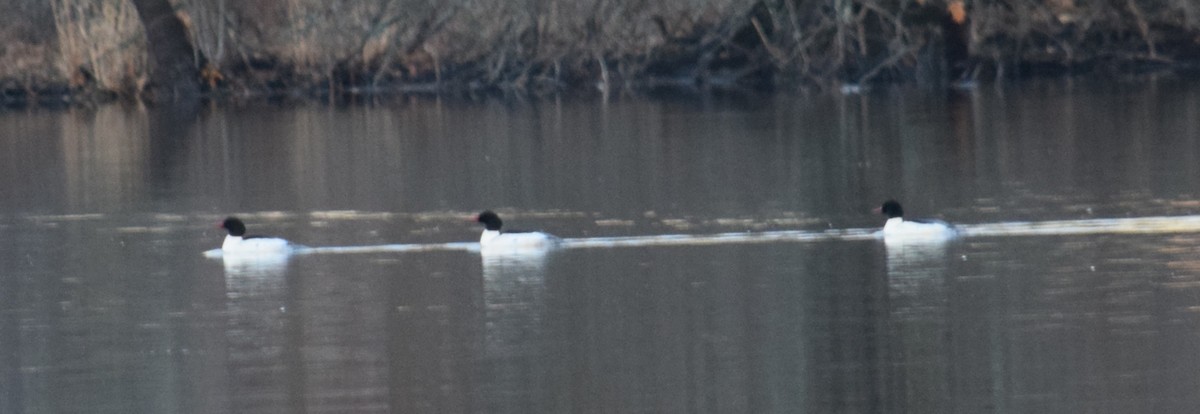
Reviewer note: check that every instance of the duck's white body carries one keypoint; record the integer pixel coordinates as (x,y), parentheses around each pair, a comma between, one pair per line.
(255,245)
(899,229)
(497,241)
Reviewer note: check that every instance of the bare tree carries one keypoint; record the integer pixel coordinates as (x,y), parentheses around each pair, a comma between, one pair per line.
(175,72)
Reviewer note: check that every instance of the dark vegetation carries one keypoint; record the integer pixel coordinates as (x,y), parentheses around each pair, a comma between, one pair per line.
(68,49)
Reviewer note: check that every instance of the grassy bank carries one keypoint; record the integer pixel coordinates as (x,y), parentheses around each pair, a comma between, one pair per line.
(54,47)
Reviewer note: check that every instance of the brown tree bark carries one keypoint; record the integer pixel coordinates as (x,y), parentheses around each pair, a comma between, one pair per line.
(175,73)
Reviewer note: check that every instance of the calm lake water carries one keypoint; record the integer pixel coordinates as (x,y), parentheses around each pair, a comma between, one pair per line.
(107,304)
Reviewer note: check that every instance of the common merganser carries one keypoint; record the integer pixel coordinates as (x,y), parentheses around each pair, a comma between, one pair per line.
(897,228)
(495,240)
(237,242)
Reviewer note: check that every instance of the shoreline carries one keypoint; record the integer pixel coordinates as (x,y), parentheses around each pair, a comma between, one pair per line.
(61,52)
(59,95)
(64,53)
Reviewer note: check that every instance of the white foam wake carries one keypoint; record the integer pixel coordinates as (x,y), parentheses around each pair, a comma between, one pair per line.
(1137,225)
(379,248)
(720,238)
(1133,225)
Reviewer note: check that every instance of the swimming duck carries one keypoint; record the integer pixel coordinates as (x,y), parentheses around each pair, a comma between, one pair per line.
(897,227)
(237,242)
(494,239)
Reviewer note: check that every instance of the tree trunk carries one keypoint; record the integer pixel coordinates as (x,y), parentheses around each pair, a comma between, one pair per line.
(174,73)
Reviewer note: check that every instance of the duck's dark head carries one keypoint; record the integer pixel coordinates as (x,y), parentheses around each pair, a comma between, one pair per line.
(490,220)
(891,209)
(234,226)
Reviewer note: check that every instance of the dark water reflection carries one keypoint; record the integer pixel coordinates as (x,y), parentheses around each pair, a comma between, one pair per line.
(106,304)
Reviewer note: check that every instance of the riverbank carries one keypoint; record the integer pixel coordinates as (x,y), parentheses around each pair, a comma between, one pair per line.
(75,50)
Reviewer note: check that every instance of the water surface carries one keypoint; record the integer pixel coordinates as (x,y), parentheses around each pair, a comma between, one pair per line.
(1049,303)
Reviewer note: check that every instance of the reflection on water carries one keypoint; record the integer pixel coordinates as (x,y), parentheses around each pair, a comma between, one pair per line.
(1028,152)
(717,255)
(298,343)
(917,270)
(259,335)
(918,302)
(514,333)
